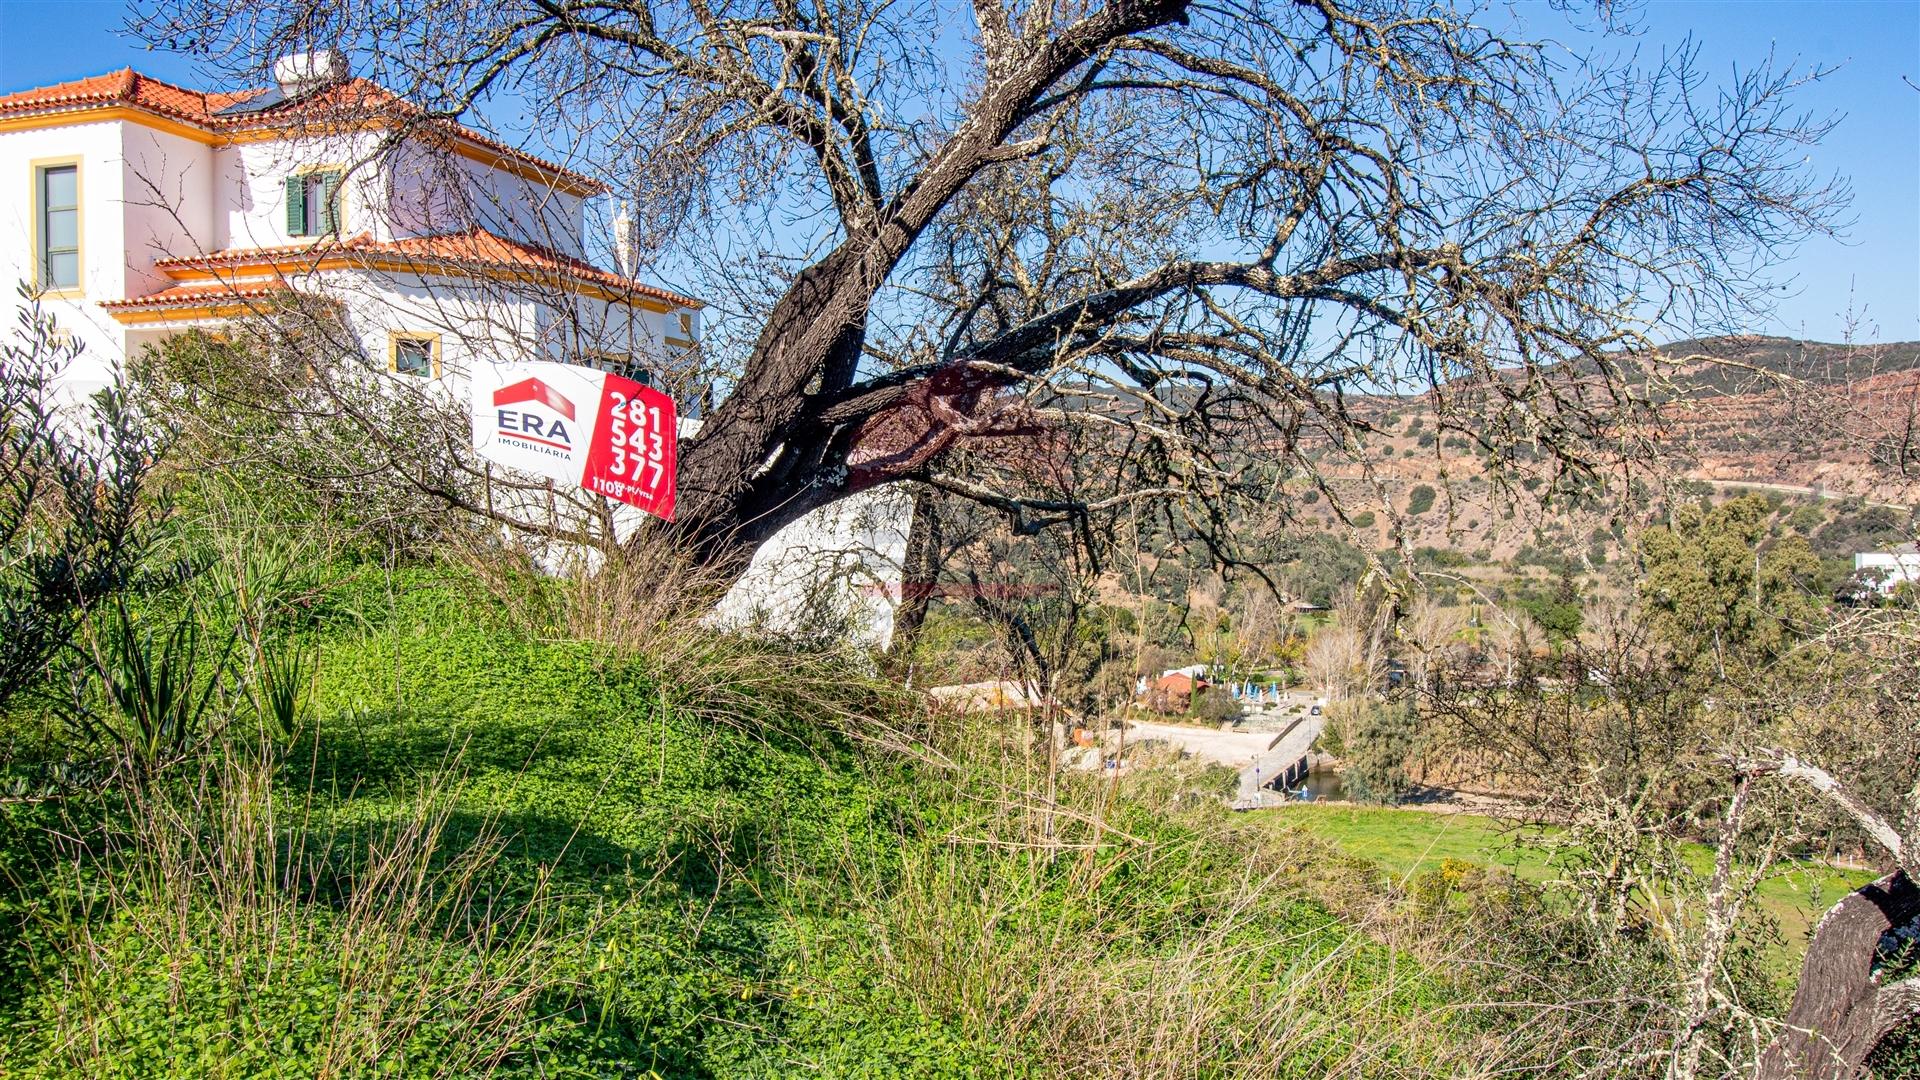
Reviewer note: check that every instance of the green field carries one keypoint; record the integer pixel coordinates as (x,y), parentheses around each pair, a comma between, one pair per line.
(488,849)
(1408,842)
(494,852)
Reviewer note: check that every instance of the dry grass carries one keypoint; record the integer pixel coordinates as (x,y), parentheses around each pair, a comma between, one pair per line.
(648,603)
(380,947)
(1080,929)
(1079,925)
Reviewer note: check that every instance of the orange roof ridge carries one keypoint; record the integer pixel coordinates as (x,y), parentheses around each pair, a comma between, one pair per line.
(226,256)
(191,294)
(475,246)
(126,86)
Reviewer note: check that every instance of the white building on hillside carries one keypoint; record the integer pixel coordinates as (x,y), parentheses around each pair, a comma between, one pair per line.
(138,209)
(1888,570)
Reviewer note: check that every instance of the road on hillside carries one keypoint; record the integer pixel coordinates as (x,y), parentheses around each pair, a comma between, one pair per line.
(1754,485)
(1797,489)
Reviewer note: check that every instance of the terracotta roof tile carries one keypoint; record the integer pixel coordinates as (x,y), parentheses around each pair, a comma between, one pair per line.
(478,246)
(189,295)
(473,248)
(232,256)
(350,99)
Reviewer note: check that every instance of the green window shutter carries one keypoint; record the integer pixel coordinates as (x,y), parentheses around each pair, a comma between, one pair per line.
(329,202)
(296,206)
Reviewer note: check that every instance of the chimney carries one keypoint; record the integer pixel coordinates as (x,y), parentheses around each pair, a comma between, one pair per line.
(301,72)
(626,242)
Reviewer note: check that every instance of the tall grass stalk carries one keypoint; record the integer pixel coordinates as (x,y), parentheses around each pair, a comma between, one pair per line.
(329,954)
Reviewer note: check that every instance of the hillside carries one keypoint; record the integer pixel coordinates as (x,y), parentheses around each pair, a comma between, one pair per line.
(1752,363)
(1829,418)
(492,850)
(1800,420)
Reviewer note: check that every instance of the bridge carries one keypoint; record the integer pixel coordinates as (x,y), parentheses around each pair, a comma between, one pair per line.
(1283,764)
(1263,759)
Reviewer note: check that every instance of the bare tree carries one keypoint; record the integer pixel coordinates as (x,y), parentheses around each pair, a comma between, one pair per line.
(1430,632)
(1337,660)
(1196,228)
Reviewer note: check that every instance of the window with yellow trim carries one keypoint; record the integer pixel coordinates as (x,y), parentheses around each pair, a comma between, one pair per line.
(56,190)
(412,354)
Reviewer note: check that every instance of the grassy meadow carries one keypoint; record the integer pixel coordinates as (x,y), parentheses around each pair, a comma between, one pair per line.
(1410,843)
(489,845)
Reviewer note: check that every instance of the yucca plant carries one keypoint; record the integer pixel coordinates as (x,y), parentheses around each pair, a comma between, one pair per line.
(277,689)
(152,692)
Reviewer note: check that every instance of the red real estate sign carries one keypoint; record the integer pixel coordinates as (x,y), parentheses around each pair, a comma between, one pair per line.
(579,425)
(631,455)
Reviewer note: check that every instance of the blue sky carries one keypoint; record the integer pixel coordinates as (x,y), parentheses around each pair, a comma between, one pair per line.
(1874,270)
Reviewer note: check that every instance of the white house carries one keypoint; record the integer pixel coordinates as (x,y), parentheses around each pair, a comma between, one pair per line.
(1890,569)
(138,209)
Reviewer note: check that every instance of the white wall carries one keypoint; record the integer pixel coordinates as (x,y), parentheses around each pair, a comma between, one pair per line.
(169,185)
(473,319)
(839,568)
(252,210)
(103,270)
(579,324)
(525,210)
(1896,567)
(426,193)
(431,191)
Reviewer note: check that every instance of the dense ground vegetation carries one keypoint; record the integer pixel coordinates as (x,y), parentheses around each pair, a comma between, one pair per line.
(484,847)
(324,787)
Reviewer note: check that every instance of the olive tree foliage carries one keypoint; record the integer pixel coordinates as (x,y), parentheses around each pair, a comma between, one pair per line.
(74,525)
(1194,229)
(1718,594)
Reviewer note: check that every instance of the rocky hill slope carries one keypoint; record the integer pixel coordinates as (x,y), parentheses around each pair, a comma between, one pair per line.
(1814,421)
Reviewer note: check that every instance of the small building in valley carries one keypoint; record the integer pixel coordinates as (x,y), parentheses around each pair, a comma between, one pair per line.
(1172,693)
(1887,570)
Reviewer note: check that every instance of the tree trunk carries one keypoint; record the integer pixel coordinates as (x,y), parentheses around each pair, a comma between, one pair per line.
(768,455)
(1841,1010)
(750,470)
(920,575)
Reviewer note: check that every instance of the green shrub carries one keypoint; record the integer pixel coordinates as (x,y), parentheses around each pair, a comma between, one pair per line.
(1444,558)
(1420,500)
(1215,705)
(1379,739)
(497,852)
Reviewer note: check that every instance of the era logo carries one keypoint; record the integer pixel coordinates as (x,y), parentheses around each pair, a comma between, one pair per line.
(548,431)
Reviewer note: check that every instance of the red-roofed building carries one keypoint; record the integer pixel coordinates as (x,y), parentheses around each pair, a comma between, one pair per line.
(1173,692)
(139,209)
